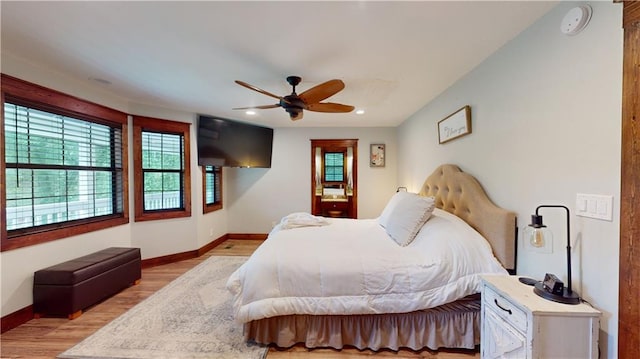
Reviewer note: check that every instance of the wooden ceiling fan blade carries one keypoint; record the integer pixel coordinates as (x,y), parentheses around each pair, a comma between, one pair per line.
(263,107)
(329,107)
(295,104)
(322,91)
(257,89)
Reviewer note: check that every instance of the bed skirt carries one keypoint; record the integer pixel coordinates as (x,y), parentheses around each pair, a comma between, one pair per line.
(453,325)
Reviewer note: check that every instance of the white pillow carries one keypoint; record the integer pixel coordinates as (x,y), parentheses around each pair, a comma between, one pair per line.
(393,202)
(407,217)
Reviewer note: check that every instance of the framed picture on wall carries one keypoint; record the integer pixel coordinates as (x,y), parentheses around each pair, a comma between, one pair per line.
(376,157)
(456,125)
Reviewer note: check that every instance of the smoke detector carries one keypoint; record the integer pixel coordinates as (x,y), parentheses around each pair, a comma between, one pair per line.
(576,20)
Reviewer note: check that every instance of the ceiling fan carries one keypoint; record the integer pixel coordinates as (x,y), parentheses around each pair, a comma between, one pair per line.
(309,100)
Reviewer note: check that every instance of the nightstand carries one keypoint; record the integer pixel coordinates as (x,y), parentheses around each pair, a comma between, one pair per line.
(517,323)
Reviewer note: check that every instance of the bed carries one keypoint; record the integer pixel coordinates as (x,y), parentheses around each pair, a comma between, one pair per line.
(409,278)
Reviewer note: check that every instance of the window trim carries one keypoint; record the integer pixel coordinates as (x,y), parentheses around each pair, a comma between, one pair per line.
(141,123)
(57,102)
(208,208)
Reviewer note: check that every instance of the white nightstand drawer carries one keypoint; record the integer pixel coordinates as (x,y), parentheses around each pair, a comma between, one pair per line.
(505,342)
(505,309)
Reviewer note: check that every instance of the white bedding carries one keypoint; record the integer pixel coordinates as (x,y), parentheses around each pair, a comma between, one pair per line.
(302,219)
(353,267)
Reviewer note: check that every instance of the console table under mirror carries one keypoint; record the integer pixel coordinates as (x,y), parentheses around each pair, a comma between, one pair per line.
(334,174)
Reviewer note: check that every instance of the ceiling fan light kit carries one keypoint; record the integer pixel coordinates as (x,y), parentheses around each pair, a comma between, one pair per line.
(309,100)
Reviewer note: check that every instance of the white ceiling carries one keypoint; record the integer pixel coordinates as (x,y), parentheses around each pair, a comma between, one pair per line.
(394,57)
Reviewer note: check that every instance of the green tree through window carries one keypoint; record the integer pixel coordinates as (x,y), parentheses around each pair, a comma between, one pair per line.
(334,167)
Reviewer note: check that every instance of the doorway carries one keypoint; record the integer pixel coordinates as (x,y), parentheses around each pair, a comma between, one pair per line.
(334,178)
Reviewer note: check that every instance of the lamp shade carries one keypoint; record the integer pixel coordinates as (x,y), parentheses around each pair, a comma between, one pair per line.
(537,237)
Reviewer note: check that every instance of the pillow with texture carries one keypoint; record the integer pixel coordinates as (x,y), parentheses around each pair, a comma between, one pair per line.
(393,202)
(407,218)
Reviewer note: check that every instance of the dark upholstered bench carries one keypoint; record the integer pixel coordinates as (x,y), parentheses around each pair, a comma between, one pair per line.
(67,288)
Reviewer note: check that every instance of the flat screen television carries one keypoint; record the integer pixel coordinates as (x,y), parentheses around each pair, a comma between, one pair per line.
(227,143)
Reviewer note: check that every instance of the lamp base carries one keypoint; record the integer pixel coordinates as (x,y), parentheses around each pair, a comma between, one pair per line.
(528,281)
(565,297)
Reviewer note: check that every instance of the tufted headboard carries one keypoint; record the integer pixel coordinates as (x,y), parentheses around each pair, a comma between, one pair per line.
(460,193)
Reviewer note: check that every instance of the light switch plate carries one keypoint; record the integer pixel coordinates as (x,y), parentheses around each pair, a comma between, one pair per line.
(594,206)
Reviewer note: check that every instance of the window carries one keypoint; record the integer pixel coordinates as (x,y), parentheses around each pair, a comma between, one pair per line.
(63,170)
(162,171)
(211,188)
(333,166)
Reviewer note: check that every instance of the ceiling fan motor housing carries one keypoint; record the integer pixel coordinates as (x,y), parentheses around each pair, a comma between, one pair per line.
(292,104)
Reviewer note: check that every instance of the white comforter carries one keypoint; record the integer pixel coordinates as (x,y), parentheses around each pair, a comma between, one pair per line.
(353,267)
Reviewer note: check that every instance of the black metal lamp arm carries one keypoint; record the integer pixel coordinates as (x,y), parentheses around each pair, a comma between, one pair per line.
(568,242)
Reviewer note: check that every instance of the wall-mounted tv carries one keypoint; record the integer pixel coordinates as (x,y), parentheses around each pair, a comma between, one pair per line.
(227,143)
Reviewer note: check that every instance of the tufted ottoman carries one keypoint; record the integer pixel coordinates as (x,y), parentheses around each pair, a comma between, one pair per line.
(67,288)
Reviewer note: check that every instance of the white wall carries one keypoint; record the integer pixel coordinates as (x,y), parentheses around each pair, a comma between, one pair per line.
(258,197)
(546,119)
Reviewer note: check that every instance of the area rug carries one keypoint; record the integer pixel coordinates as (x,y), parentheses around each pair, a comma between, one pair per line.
(190,317)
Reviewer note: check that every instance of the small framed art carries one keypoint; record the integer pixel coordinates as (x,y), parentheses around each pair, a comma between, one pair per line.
(376,158)
(456,125)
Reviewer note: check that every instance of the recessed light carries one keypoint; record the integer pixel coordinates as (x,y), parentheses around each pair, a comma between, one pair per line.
(360,112)
(250,112)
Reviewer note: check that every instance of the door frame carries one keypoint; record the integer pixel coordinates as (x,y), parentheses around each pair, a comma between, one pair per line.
(629,277)
(335,143)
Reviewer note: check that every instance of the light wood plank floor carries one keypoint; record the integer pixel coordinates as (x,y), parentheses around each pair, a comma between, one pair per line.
(48,337)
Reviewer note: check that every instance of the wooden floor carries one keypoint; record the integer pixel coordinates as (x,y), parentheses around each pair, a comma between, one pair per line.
(48,337)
